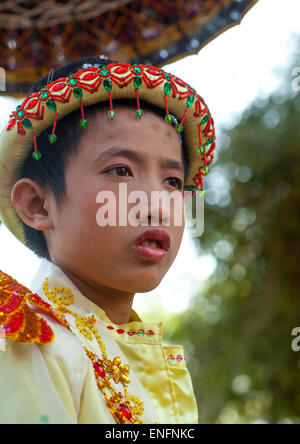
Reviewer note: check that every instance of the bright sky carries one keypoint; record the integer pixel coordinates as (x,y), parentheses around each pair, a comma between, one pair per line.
(229,73)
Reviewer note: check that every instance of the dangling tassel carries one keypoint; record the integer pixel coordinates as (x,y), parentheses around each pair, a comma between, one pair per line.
(179,127)
(168,117)
(83,122)
(52,136)
(36,154)
(201,148)
(202,190)
(204,169)
(111,112)
(139,111)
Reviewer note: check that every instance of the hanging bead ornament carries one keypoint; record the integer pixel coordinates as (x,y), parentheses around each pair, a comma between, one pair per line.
(190,101)
(36,154)
(52,105)
(108,86)
(138,83)
(167,91)
(83,122)
(77,91)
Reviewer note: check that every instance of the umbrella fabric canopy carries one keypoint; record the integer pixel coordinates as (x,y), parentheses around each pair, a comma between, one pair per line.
(37,36)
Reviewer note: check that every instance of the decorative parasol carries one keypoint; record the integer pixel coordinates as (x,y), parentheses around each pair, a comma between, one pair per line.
(36,36)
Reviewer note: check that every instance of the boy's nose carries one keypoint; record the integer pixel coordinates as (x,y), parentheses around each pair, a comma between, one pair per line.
(156,215)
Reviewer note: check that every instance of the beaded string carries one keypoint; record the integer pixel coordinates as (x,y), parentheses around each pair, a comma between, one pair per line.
(36,154)
(111,112)
(139,111)
(167,91)
(52,136)
(83,122)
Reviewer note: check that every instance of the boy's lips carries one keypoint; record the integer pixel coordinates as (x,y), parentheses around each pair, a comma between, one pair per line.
(153,235)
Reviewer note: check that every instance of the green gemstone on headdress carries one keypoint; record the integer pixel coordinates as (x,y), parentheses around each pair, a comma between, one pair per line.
(27,123)
(167,88)
(104,72)
(111,114)
(83,123)
(202,193)
(137,82)
(71,74)
(18,107)
(168,118)
(205,119)
(137,70)
(44,95)
(189,187)
(36,155)
(20,113)
(201,150)
(78,92)
(51,104)
(107,84)
(205,170)
(179,128)
(209,141)
(190,101)
(167,76)
(72,82)
(52,138)
(139,113)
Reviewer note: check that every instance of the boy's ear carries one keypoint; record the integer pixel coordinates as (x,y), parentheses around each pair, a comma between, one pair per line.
(29,200)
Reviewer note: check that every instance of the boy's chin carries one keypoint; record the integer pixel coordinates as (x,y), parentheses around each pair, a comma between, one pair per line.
(141,284)
(145,286)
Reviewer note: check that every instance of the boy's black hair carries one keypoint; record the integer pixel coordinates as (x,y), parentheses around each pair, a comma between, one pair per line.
(49,171)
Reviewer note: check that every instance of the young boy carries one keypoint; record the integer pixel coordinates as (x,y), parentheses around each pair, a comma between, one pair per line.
(71,155)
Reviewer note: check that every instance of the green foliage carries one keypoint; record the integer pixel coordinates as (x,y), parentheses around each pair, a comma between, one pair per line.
(237,333)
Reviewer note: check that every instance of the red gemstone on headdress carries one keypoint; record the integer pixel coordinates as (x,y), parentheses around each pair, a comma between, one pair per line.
(58,87)
(89,76)
(154,71)
(180,82)
(120,331)
(126,411)
(31,104)
(11,124)
(121,70)
(99,370)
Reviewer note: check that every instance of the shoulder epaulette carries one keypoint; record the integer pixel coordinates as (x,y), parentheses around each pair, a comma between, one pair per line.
(18,321)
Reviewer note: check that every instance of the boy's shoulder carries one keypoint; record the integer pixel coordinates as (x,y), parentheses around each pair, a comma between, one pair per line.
(21,313)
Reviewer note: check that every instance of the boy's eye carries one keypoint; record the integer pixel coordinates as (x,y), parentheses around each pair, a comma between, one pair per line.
(120,169)
(177,182)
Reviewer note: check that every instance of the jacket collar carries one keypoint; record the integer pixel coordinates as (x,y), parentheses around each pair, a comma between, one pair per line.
(134,331)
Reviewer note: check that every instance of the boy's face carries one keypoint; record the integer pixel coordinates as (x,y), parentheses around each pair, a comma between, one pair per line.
(105,256)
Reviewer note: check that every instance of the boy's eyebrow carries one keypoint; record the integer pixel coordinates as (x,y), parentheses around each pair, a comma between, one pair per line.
(138,157)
